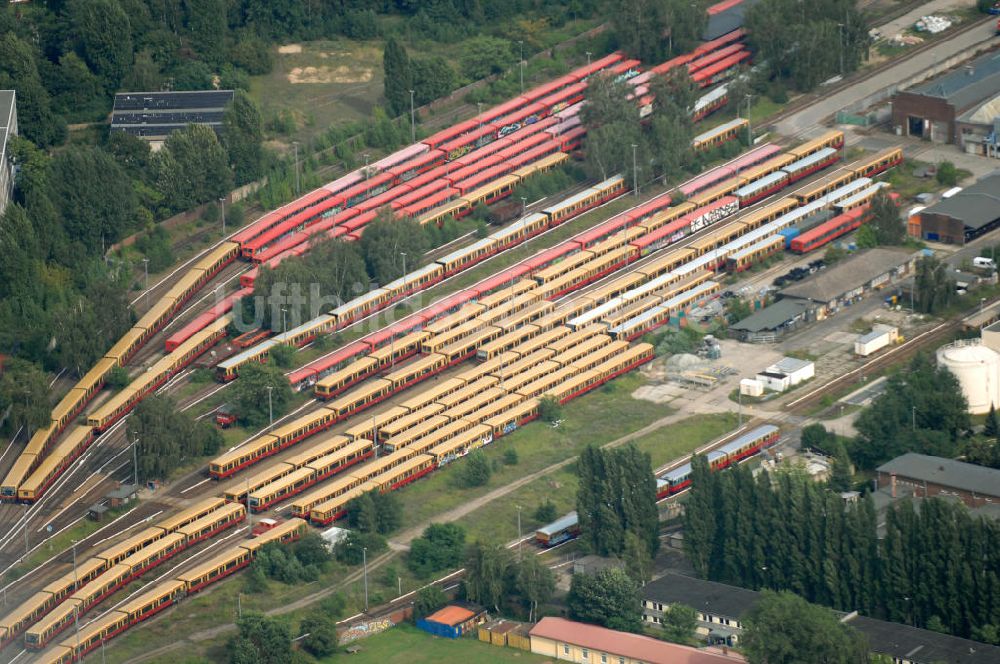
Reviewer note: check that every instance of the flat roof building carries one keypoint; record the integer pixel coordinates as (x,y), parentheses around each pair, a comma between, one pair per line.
(931,109)
(771,322)
(8,128)
(968,214)
(155,115)
(930,476)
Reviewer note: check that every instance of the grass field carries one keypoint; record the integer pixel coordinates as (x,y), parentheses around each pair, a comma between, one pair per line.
(406,644)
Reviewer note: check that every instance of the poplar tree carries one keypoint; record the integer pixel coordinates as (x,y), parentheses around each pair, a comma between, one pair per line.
(398,77)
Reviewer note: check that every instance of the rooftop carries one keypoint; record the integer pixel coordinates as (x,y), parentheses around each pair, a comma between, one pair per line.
(155,115)
(790,364)
(848,275)
(896,640)
(974,206)
(451,615)
(966,85)
(635,646)
(771,317)
(727,21)
(984,113)
(947,472)
(706,596)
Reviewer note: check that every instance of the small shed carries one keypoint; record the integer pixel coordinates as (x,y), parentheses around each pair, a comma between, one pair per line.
(786,373)
(452,621)
(506,633)
(96,512)
(880,337)
(123,495)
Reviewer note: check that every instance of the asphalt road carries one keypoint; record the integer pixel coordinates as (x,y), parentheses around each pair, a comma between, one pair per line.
(816,113)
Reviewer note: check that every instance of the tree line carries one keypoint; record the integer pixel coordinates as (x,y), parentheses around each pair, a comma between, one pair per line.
(788,533)
(168,438)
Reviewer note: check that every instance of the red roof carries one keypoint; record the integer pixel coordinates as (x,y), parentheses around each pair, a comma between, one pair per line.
(450,615)
(634,646)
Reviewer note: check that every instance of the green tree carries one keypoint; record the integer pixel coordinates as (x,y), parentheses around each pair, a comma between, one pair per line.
(320,629)
(433,78)
(104,38)
(350,550)
(546,512)
(510,457)
(947,174)
(476,470)
(841,476)
(679,622)
(609,598)
(261,639)
(255,402)
(283,355)
(428,600)
(816,437)
(700,518)
(549,409)
(384,243)
(935,289)
(638,562)
(484,55)
(23,397)
(534,582)
(117,378)
(206,21)
(885,222)
(192,168)
(362,514)
(398,77)
(486,571)
(243,137)
(991,426)
(19,71)
(94,197)
(778,625)
(441,547)
(167,437)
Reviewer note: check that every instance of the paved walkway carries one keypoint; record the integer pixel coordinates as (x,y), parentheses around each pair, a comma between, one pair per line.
(887,79)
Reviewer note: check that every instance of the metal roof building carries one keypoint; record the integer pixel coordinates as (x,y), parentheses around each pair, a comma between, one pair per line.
(966,215)
(155,115)
(931,109)
(8,128)
(849,280)
(771,322)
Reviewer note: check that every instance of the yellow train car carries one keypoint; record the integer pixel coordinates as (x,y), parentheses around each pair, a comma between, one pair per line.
(407,422)
(758,217)
(458,446)
(361,397)
(432,393)
(416,370)
(825,185)
(543,340)
(333,384)
(461,410)
(218,566)
(546,163)
(833,138)
(465,313)
(191,514)
(515,289)
(368,428)
(867,167)
(510,419)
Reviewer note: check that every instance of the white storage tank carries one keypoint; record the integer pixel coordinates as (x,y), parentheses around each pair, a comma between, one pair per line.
(978,371)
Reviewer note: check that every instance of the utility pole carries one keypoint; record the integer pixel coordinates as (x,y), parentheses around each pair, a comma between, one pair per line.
(135,464)
(249,513)
(749,128)
(239,605)
(76,620)
(222,205)
(739,397)
(841,27)
(635,173)
(145,269)
(284,320)
(588,58)
(521,64)
(518,533)
(270,409)
(413,126)
(913,417)
(366,155)
(76,577)
(364,560)
(295,145)
(26,531)
(524,204)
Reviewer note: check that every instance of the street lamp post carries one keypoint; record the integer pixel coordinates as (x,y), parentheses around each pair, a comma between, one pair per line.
(413,126)
(26,530)
(222,205)
(524,204)
(749,129)
(364,561)
(295,144)
(135,463)
(521,64)
(366,155)
(145,269)
(284,320)
(635,173)
(588,58)
(518,533)
(270,409)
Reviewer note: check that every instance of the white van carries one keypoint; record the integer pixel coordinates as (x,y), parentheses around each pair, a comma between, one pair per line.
(984,263)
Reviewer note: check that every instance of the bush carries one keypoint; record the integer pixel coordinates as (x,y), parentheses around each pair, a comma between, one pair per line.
(549,409)
(546,512)
(117,378)
(947,174)
(441,547)
(349,550)
(283,355)
(510,457)
(427,601)
(476,470)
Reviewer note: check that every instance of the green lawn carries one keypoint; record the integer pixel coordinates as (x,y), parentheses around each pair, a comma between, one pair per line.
(54,545)
(406,644)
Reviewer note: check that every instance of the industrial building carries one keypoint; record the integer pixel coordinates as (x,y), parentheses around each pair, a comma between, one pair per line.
(571,641)
(8,128)
(720,608)
(837,287)
(785,373)
(977,368)
(932,109)
(772,322)
(155,115)
(927,476)
(959,218)
(880,337)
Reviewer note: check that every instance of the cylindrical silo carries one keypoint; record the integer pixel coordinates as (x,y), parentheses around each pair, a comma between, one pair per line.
(978,371)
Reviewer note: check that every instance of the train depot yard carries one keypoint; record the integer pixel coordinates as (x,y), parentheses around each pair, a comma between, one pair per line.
(559,383)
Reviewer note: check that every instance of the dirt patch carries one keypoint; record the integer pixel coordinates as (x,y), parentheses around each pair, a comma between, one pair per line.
(324,74)
(290,49)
